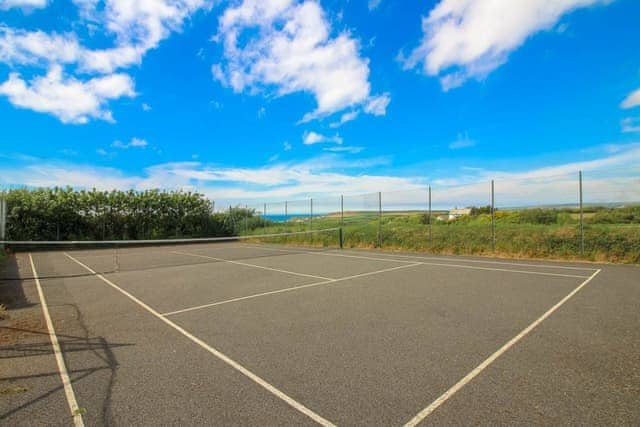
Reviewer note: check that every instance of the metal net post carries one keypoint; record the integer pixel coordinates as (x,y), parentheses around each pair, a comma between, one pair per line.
(430,224)
(3,220)
(493,218)
(379,219)
(311,214)
(341,211)
(581,214)
(264,218)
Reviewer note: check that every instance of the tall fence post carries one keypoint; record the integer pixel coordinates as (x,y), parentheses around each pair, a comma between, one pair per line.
(379,219)
(264,219)
(430,231)
(581,214)
(286,216)
(341,210)
(246,219)
(493,218)
(311,214)
(3,220)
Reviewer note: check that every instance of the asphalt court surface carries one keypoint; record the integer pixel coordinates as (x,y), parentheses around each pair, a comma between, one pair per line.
(242,334)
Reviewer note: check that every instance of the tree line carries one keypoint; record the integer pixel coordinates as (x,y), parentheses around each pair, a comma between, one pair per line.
(68,214)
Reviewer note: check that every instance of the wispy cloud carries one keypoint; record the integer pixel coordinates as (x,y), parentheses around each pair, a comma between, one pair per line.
(471,38)
(25,4)
(134,143)
(610,177)
(311,138)
(632,100)
(344,149)
(463,141)
(373,4)
(631,124)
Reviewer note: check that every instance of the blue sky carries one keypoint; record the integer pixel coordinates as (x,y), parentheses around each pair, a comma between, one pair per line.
(282,99)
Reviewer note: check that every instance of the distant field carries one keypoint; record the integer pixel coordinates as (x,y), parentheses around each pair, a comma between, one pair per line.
(409,231)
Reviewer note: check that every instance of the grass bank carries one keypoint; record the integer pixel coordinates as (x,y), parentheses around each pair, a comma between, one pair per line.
(557,238)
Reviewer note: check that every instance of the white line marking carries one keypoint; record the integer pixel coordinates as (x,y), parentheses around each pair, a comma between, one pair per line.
(563,267)
(328,254)
(294,288)
(471,267)
(252,265)
(62,368)
(474,373)
(270,388)
(508,270)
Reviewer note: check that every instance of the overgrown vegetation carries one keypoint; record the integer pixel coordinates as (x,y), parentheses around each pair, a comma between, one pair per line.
(611,234)
(65,214)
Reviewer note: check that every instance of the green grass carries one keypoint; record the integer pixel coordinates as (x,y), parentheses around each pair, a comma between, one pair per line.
(473,236)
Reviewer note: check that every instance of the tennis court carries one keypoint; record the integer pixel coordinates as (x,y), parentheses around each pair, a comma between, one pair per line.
(246,333)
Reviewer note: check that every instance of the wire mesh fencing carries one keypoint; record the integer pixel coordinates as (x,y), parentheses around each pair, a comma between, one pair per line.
(593,215)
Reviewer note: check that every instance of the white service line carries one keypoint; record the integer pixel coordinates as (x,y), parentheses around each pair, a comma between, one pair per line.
(62,367)
(517,264)
(235,365)
(470,267)
(328,254)
(294,288)
(251,265)
(481,367)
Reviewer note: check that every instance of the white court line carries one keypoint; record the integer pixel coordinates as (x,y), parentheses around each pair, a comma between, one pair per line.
(62,368)
(252,265)
(294,288)
(326,254)
(517,264)
(481,367)
(235,365)
(470,267)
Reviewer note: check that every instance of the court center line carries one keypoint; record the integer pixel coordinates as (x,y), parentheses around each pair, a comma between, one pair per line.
(294,288)
(251,265)
(481,367)
(57,351)
(470,267)
(235,365)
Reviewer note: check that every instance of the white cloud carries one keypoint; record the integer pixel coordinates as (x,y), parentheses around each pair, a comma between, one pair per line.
(134,143)
(286,46)
(633,100)
(377,105)
(25,4)
(344,149)
(463,141)
(146,107)
(133,28)
(310,138)
(345,118)
(611,177)
(631,124)
(286,146)
(470,38)
(70,100)
(373,4)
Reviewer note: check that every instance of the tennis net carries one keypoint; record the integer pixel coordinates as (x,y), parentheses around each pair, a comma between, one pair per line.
(55,258)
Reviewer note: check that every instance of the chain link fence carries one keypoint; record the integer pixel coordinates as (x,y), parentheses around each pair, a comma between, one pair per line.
(569,215)
(593,216)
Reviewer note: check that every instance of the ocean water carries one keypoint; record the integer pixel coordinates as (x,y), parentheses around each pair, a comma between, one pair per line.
(284,218)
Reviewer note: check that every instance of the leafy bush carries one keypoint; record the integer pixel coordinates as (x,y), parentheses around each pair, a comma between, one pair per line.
(66,214)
